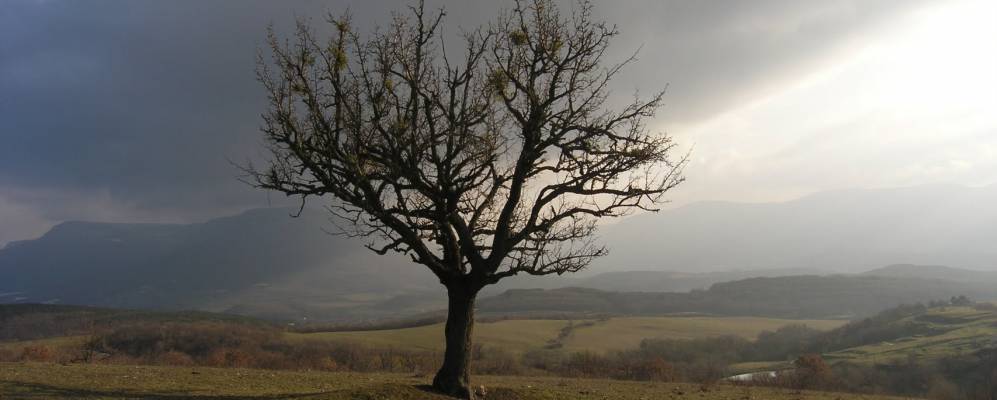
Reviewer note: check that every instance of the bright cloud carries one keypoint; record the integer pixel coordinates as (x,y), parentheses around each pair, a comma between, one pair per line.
(915,103)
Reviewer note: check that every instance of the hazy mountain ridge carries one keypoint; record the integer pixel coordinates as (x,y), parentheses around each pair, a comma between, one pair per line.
(936,272)
(265,263)
(802,296)
(258,256)
(849,230)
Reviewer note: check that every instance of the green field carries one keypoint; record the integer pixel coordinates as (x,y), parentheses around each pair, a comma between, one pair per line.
(957,330)
(54,381)
(627,333)
(513,335)
(55,342)
(601,335)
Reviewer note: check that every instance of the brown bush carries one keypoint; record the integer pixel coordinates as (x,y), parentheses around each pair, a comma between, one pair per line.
(542,359)
(37,353)
(229,345)
(327,364)
(497,361)
(586,364)
(941,389)
(7,355)
(174,358)
(655,369)
(228,357)
(810,372)
(992,385)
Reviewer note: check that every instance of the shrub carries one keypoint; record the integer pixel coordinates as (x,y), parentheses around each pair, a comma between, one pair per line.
(810,372)
(174,358)
(654,369)
(542,359)
(941,389)
(497,361)
(236,345)
(7,355)
(37,353)
(586,364)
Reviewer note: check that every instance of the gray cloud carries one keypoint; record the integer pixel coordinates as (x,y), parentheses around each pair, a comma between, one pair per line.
(716,55)
(135,108)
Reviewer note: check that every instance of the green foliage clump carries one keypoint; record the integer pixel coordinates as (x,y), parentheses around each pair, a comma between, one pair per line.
(518,38)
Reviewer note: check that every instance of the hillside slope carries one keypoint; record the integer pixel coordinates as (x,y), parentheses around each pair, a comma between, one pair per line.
(926,336)
(262,262)
(835,296)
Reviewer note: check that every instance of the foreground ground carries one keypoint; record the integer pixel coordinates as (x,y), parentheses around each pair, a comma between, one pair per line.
(55,381)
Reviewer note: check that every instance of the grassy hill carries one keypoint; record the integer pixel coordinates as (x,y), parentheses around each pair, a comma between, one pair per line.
(946,350)
(34,321)
(947,331)
(513,335)
(261,262)
(617,333)
(833,296)
(628,332)
(54,381)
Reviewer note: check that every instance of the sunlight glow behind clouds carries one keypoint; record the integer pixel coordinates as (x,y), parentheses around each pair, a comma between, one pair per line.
(916,104)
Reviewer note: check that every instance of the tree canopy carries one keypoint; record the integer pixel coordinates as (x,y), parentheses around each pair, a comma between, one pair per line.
(492,161)
(495,164)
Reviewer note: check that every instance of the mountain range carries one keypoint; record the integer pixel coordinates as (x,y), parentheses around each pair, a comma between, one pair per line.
(265,263)
(844,231)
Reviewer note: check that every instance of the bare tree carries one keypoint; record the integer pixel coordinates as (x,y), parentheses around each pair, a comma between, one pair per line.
(479,166)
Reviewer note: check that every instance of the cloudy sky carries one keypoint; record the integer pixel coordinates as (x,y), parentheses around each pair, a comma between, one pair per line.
(132,110)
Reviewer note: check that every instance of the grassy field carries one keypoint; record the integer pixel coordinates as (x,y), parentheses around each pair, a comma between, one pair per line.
(957,330)
(626,333)
(601,335)
(513,335)
(54,381)
(56,342)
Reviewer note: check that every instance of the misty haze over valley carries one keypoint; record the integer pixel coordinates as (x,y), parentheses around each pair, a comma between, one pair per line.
(265,263)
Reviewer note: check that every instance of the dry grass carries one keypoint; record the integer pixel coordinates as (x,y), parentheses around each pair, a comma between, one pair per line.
(623,333)
(513,335)
(54,381)
(627,333)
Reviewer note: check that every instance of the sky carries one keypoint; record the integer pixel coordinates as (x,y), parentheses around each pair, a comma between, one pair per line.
(127,111)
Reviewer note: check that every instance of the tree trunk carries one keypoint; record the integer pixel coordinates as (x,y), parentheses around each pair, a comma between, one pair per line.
(454,377)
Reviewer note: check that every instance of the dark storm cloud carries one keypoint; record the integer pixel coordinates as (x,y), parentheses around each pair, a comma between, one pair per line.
(138,106)
(142,99)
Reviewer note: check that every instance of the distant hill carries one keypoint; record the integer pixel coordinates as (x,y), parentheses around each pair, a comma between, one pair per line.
(261,263)
(835,296)
(845,231)
(674,281)
(936,272)
(35,321)
(927,333)
(264,263)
